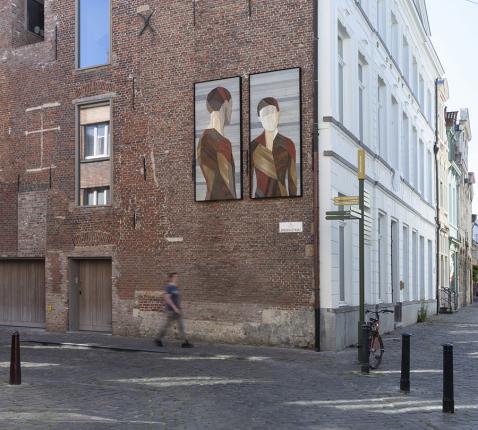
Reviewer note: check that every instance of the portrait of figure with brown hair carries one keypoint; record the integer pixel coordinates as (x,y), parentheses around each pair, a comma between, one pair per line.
(275,155)
(215,156)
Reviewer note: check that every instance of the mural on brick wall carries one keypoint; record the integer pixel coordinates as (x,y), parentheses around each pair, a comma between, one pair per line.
(275,133)
(218,140)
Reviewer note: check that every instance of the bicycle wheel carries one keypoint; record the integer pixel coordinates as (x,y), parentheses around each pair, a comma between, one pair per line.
(376,351)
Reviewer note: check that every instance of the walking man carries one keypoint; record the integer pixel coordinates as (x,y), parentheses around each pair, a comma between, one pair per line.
(173,311)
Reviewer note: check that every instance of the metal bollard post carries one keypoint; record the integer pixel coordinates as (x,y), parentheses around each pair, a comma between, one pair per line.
(405,373)
(448,395)
(15,369)
(364,358)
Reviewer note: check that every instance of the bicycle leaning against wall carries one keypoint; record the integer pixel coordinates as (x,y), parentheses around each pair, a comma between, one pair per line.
(375,340)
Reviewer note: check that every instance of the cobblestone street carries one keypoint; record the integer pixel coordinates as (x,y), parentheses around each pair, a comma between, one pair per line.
(236,387)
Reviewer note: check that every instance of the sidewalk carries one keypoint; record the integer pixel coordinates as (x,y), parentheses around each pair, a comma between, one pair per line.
(136,385)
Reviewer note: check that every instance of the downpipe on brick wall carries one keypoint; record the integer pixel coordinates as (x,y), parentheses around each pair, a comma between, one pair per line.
(315,178)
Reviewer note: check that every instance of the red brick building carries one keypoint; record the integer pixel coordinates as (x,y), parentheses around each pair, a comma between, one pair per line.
(76,259)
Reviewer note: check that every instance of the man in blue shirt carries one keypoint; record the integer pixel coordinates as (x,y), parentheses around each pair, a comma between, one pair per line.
(173,311)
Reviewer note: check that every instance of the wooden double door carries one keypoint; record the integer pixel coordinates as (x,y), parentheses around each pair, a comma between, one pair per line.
(22,293)
(91,295)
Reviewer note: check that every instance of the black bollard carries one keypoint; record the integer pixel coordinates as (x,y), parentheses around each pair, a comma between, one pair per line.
(364,358)
(405,374)
(15,369)
(448,395)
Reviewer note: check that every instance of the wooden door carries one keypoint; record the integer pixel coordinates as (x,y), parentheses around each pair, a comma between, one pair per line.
(22,293)
(94,289)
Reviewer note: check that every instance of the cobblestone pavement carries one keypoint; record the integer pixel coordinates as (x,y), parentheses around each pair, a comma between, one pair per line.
(236,387)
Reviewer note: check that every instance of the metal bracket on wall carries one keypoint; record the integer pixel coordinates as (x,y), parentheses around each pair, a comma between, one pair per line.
(147,23)
(144,168)
(194,13)
(56,42)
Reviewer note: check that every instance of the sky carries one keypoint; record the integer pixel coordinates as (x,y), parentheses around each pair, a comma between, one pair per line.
(454,27)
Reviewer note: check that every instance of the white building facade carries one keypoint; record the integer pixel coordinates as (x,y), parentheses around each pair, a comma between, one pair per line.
(377,73)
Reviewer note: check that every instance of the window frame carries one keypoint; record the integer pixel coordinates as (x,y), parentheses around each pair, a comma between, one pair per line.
(362,95)
(107,146)
(27,21)
(91,102)
(77,39)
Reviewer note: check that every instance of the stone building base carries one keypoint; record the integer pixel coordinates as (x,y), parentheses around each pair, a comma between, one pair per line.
(339,327)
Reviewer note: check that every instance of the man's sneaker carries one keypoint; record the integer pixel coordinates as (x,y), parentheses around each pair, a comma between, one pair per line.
(187,345)
(158,342)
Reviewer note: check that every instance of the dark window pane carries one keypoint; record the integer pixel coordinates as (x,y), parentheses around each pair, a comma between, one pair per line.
(94,37)
(36,18)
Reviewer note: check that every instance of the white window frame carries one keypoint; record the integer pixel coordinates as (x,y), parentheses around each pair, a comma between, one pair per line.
(96,145)
(362,100)
(382,118)
(340,75)
(96,192)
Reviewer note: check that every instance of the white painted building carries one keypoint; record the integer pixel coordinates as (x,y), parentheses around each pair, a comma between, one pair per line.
(377,72)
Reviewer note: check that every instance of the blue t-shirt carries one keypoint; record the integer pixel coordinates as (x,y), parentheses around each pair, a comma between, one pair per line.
(173,291)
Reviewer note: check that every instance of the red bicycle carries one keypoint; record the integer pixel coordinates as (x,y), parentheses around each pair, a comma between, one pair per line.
(375,340)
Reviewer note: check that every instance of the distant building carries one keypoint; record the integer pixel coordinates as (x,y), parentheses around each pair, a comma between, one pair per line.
(460,197)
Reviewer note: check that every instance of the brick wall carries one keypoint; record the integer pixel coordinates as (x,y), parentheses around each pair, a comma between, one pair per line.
(241,279)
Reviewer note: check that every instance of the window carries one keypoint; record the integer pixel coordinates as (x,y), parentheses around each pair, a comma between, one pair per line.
(414,158)
(96,196)
(341,66)
(429,177)
(405,148)
(361,95)
(414,296)
(405,59)
(342,262)
(395,134)
(422,268)
(429,108)
(430,269)
(415,76)
(395,40)
(420,172)
(94,33)
(406,262)
(94,155)
(36,17)
(96,141)
(382,119)
(421,92)
(382,256)
(381,14)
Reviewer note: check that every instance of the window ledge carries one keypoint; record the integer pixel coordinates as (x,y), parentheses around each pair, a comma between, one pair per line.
(92,68)
(94,159)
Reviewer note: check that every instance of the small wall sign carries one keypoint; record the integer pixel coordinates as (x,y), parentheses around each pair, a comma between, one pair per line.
(291,227)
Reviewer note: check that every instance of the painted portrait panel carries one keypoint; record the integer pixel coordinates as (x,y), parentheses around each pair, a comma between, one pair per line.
(275,134)
(217,142)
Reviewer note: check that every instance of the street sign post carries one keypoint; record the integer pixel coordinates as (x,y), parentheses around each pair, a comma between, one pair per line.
(361,179)
(357,212)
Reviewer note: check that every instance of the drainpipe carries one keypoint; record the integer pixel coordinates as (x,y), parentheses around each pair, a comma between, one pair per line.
(437,188)
(315,177)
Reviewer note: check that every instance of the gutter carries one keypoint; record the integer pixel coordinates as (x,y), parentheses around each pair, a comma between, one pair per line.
(315,176)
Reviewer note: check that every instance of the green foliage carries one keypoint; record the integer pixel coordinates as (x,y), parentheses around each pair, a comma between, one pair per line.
(422,313)
(475,274)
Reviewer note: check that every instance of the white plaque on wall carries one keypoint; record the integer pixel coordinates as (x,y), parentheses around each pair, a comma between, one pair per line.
(291,227)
